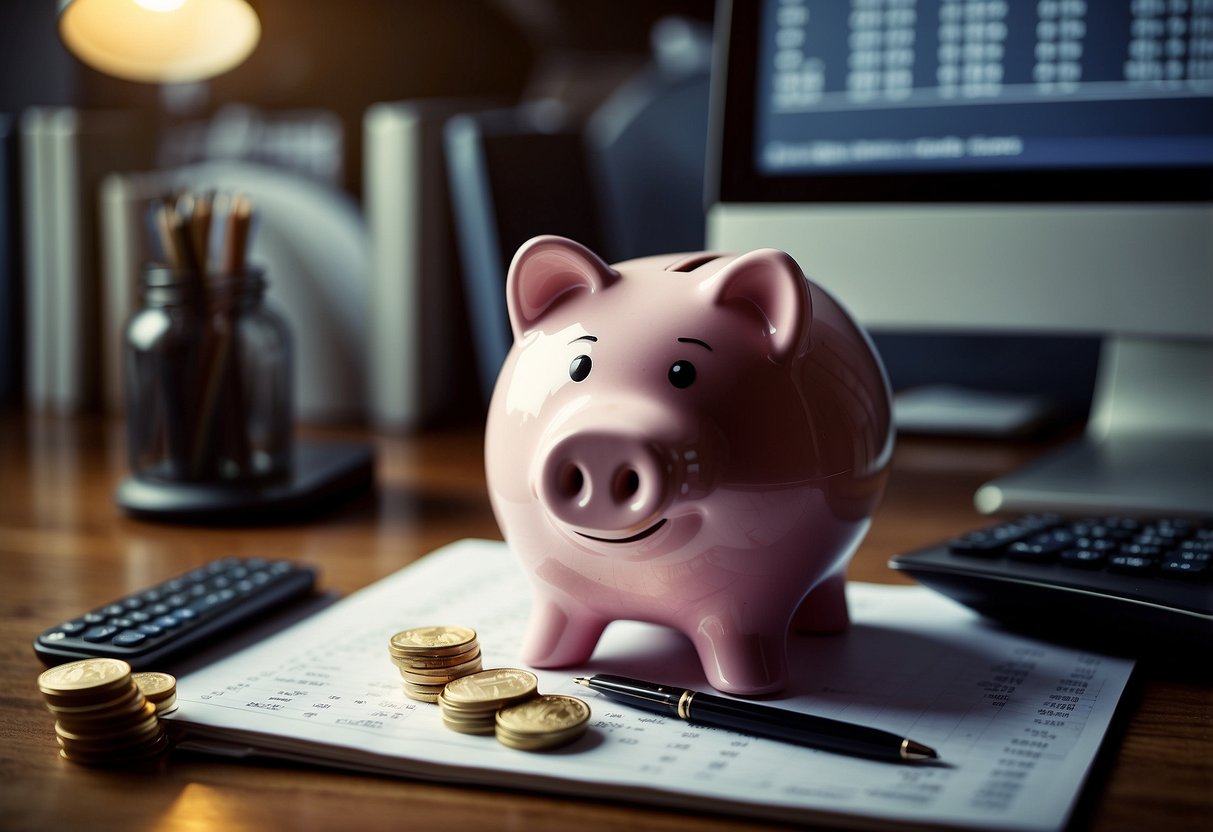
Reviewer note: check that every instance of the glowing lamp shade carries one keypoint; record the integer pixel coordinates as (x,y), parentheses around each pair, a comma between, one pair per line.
(159,41)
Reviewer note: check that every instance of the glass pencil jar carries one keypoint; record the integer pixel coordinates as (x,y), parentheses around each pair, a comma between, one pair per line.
(208,380)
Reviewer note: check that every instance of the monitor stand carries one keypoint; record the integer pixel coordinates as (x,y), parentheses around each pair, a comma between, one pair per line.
(1148,448)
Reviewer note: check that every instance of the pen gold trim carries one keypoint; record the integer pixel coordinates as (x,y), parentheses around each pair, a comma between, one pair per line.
(761,720)
(684,704)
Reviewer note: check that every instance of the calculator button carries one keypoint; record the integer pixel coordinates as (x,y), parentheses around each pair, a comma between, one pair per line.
(123,623)
(129,638)
(159,609)
(70,627)
(99,634)
(95,617)
(202,605)
(167,622)
(150,629)
(133,603)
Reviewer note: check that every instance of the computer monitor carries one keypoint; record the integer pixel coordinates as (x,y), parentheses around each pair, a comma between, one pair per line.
(997,166)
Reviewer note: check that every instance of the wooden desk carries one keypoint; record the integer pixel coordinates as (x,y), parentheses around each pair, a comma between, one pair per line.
(65,548)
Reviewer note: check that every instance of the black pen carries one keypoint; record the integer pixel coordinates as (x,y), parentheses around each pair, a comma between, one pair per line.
(761,720)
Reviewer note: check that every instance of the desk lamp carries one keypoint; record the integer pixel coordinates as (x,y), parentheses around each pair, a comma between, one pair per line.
(159,41)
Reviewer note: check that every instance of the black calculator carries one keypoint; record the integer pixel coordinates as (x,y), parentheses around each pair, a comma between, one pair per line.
(153,626)
(1137,585)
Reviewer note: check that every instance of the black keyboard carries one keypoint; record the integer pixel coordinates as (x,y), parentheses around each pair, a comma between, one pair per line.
(1130,584)
(152,626)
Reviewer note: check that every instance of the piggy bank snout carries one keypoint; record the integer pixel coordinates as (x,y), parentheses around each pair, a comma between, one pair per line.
(604,482)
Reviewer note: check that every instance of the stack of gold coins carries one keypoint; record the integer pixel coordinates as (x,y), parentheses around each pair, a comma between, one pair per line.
(160,689)
(102,718)
(546,721)
(470,704)
(429,657)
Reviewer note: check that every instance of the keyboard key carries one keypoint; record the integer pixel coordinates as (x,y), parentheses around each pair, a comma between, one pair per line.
(1187,569)
(1141,550)
(1083,558)
(1130,564)
(1037,551)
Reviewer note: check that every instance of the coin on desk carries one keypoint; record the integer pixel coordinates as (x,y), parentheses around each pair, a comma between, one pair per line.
(543,722)
(430,657)
(470,704)
(101,715)
(84,682)
(159,688)
(432,641)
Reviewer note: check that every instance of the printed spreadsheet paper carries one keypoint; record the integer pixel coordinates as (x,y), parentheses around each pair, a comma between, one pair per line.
(1017,722)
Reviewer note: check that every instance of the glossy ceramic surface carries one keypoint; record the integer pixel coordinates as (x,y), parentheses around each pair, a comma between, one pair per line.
(692,440)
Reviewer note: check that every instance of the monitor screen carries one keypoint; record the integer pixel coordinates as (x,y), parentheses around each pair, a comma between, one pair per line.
(1036,167)
(996,100)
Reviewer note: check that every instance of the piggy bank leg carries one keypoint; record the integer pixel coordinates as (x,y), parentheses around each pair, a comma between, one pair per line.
(557,637)
(824,609)
(741,663)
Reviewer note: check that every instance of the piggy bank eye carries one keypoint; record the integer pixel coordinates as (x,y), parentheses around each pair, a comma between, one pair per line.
(580,368)
(682,374)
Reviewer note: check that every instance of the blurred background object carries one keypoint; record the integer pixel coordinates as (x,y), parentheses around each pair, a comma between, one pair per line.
(159,41)
(415,145)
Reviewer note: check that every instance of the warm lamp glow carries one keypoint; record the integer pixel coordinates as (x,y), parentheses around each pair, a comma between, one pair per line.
(159,41)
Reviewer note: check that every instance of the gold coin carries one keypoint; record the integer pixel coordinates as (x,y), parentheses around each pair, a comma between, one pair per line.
(432,641)
(111,722)
(543,722)
(434,677)
(496,686)
(437,662)
(545,714)
(123,758)
(156,686)
(460,668)
(166,706)
(86,682)
(121,742)
(114,700)
(482,727)
(84,675)
(423,693)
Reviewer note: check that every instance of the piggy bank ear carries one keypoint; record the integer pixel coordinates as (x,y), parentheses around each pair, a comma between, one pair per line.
(769,286)
(544,272)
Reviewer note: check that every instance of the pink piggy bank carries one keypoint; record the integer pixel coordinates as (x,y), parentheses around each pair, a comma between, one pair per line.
(692,440)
